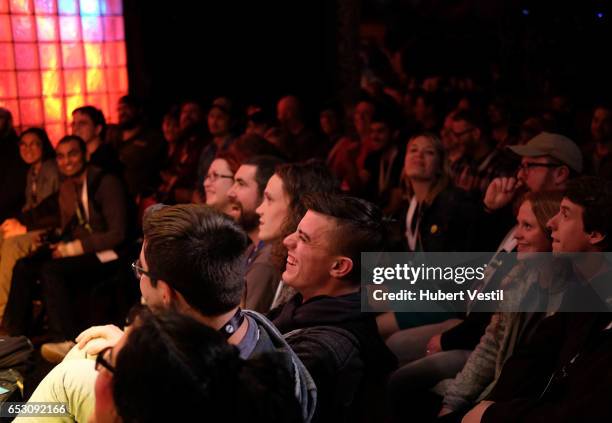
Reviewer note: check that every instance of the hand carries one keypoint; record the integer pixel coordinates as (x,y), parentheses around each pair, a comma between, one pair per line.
(56,251)
(500,192)
(476,413)
(96,338)
(434,345)
(444,411)
(12,227)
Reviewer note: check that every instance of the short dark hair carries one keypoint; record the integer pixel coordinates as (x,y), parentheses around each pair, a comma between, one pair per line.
(470,117)
(199,252)
(594,195)
(132,101)
(47,148)
(265,168)
(94,114)
(74,138)
(360,225)
(186,359)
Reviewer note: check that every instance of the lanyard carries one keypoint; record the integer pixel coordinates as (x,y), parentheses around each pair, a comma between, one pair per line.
(412,234)
(232,325)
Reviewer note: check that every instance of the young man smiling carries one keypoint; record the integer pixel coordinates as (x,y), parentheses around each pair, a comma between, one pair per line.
(560,373)
(323,323)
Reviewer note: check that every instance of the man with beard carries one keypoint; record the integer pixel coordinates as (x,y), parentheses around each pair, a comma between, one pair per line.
(247,194)
(141,149)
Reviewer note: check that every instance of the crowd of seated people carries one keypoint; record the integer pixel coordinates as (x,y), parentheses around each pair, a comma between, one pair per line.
(250,271)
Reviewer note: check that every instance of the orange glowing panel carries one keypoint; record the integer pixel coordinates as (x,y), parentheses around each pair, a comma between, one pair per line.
(49,56)
(101,101)
(51,82)
(53,109)
(72,102)
(55,131)
(95,81)
(5,28)
(57,55)
(123,80)
(28,84)
(31,112)
(7,58)
(74,82)
(21,6)
(47,28)
(93,55)
(72,55)
(8,85)
(26,57)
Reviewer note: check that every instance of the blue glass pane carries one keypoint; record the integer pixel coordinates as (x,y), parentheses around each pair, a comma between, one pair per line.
(90,7)
(68,7)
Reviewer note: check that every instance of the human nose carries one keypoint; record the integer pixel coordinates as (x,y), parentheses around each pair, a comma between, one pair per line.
(289,241)
(552,223)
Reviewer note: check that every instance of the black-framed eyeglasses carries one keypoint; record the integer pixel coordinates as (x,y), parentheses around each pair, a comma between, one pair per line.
(462,133)
(101,360)
(139,271)
(526,167)
(214,176)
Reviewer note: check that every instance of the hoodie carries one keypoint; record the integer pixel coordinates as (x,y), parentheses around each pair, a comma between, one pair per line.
(271,340)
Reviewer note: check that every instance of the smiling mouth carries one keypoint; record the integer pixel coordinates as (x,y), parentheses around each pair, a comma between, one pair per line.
(291,261)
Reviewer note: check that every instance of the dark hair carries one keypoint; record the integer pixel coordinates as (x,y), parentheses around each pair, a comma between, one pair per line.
(47,148)
(95,115)
(266,166)
(470,117)
(132,101)
(74,138)
(299,179)
(250,146)
(199,253)
(169,355)
(384,116)
(594,195)
(360,226)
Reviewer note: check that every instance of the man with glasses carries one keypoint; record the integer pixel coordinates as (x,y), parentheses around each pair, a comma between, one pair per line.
(192,261)
(480,163)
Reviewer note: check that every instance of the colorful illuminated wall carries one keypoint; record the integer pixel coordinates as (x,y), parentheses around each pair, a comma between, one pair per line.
(56,55)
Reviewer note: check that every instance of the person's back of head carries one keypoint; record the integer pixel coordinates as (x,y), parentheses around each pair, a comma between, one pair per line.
(190,364)
(199,253)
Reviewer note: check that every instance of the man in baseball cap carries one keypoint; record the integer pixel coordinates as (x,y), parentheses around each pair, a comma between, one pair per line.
(548,162)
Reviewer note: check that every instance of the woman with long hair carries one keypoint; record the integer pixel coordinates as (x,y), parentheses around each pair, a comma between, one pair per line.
(439,217)
(279,214)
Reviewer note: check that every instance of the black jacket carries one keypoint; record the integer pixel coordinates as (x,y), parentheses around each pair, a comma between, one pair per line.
(562,375)
(449,223)
(341,348)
